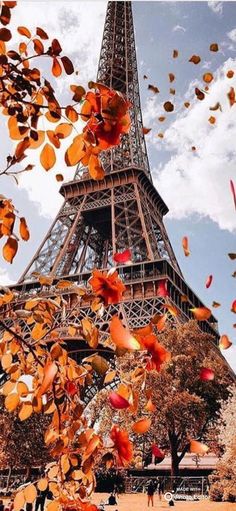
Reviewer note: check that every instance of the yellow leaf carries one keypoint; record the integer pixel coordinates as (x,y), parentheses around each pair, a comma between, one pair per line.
(47,157)
(19,501)
(6,360)
(25,412)
(38,331)
(12,401)
(30,493)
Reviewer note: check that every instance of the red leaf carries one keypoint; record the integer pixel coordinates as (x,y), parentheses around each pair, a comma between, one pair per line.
(118,401)
(41,33)
(233,307)
(123,257)
(24,31)
(209,281)
(206,374)
(162,288)
(56,67)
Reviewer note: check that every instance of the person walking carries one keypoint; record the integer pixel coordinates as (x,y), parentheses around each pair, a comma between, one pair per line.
(150,492)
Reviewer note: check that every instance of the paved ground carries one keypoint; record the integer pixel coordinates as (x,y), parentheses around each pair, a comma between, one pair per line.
(138,502)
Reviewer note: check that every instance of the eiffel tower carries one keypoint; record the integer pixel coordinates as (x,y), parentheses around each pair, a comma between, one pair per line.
(124,210)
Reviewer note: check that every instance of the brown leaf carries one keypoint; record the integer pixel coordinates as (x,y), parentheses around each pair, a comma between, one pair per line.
(47,157)
(24,31)
(68,66)
(214,47)
(208,77)
(41,33)
(38,46)
(171,77)
(161,119)
(168,106)
(24,231)
(187,104)
(232,256)
(195,59)
(5,15)
(59,177)
(5,34)
(230,73)
(217,106)
(56,67)
(56,47)
(172,91)
(200,95)
(175,54)
(212,120)
(10,249)
(153,88)
(146,130)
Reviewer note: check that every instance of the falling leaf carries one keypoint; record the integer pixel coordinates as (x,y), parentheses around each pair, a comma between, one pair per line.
(146,130)
(171,77)
(95,167)
(212,120)
(118,402)
(168,106)
(224,342)
(233,192)
(47,157)
(193,148)
(201,313)
(214,47)
(24,231)
(153,88)
(59,177)
(217,106)
(195,59)
(206,374)
(233,307)
(175,54)
(200,95)
(157,452)
(185,245)
(10,249)
(123,257)
(121,336)
(209,281)
(99,364)
(145,77)
(141,426)
(24,31)
(234,274)
(232,255)
(231,96)
(172,91)
(161,119)
(171,308)
(230,73)
(150,407)
(50,371)
(187,104)
(197,447)
(208,77)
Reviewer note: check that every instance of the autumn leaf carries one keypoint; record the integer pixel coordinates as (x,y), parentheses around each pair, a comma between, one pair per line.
(24,231)
(10,249)
(175,54)
(200,95)
(5,34)
(185,245)
(56,67)
(206,374)
(208,77)
(168,106)
(12,401)
(233,192)
(232,256)
(59,177)
(38,46)
(63,130)
(233,307)
(75,151)
(25,411)
(24,31)
(231,96)
(214,47)
(224,342)
(201,313)
(153,88)
(121,336)
(47,157)
(41,33)
(209,281)
(67,64)
(118,402)
(30,493)
(95,168)
(50,371)
(230,73)
(195,59)
(187,104)
(171,77)
(198,447)
(146,130)
(123,257)
(141,426)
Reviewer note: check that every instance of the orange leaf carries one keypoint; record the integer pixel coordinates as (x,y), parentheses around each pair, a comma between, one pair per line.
(6,361)
(212,119)
(214,47)
(146,130)
(173,310)
(141,426)
(225,342)
(201,313)
(24,31)
(63,130)
(53,138)
(47,157)
(168,106)
(75,151)
(208,77)
(19,501)
(121,336)
(56,67)
(50,371)
(26,410)
(38,46)
(185,246)
(24,231)
(231,96)
(9,250)
(30,493)
(71,114)
(41,33)
(59,177)
(150,407)
(195,59)
(34,144)
(230,73)
(96,170)
(233,307)
(42,484)
(12,401)
(197,447)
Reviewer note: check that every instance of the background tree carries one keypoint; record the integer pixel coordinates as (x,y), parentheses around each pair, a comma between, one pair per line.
(224,479)
(183,401)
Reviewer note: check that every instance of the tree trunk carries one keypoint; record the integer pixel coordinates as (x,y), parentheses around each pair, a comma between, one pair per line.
(174,463)
(8,478)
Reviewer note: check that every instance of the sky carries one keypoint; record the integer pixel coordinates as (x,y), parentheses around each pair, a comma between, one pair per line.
(194,184)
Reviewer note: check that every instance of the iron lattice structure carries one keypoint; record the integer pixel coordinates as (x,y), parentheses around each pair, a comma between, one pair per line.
(124,210)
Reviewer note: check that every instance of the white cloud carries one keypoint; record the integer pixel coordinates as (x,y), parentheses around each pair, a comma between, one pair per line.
(232,35)
(178,28)
(198,182)
(5,279)
(230,356)
(216,7)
